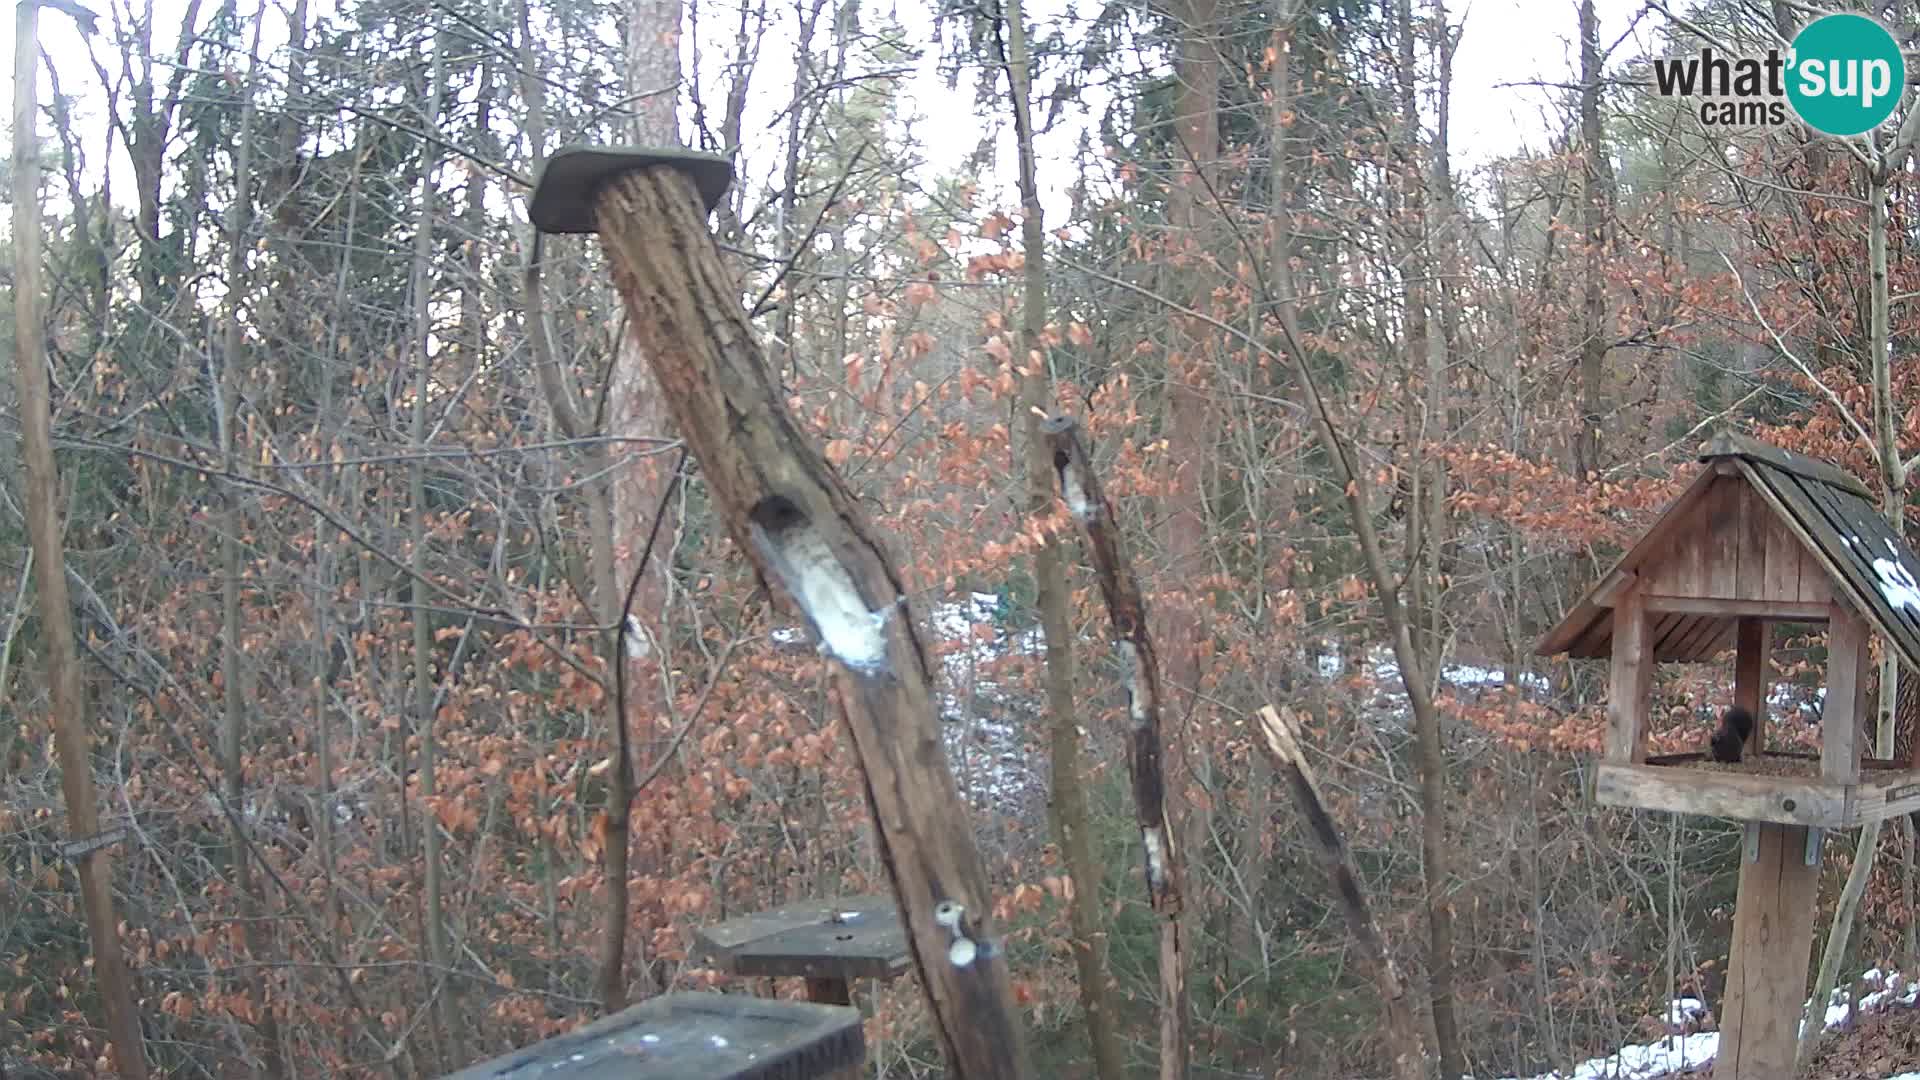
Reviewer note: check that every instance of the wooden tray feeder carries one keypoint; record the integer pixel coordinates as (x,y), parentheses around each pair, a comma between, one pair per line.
(694,1037)
(829,943)
(1761,536)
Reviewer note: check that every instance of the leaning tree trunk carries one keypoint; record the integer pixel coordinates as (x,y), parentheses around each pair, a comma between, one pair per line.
(1068,801)
(807,534)
(90,855)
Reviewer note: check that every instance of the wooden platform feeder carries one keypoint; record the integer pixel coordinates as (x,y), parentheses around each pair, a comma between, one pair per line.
(829,943)
(694,1037)
(1761,536)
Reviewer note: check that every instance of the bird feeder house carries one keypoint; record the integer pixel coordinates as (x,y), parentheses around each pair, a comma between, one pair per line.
(1761,536)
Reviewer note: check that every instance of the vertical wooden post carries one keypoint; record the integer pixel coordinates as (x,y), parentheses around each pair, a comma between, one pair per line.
(1847,660)
(1750,677)
(806,533)
(1773,916)
(1632,680)
(1767,968)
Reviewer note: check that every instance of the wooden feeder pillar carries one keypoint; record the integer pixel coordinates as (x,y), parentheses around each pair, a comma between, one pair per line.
(1762,536)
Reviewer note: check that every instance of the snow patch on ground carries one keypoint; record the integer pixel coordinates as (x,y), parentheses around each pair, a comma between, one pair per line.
(1677,1053)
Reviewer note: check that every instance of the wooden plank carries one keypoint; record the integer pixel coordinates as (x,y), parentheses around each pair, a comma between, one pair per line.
(1872,538)
(1597,640)
(1694,640)
(1767,963)
(1736,796)
(1783,610)
(1784,551)
(718,942)
(1889,795)
(1719,540)
(1663,633)
(1755,638)
(1731,443)
(1837,522)
(1756,520)
(1631,682)
(1840,716)
(1611,586)
(1579,619)
(689,1034)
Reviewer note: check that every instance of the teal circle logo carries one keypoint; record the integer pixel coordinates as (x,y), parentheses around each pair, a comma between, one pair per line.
(1846,74)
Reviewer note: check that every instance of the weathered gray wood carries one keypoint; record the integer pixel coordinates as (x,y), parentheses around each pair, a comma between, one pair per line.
(1755,640)
(1847,661)
(694,1037)
(845,939)
(1767,963)
(1632,681)
(1734,444)
(1081,490)
(809,537)
(1781,610)
(1736,796)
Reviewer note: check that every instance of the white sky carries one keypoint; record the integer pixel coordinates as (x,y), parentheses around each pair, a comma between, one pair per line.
(1507,45)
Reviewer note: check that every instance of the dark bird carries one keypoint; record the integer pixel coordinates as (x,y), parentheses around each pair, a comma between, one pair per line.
(1730,738)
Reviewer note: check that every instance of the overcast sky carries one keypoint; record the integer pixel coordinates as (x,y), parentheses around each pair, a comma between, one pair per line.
(1508,47)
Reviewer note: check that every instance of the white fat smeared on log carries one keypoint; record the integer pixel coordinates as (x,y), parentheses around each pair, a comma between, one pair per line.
(638,648)
(1156,856)
(806,566)
(962,952)
(1136,684)
(1075,495)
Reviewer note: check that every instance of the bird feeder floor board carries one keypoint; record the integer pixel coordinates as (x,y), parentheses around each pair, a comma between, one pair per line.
(845,938)
(693,1036)
(1708,789)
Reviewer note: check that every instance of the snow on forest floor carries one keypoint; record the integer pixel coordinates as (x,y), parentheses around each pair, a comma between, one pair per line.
(1676,1054)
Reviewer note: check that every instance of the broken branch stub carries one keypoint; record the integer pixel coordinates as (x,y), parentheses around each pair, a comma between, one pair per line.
(1281,738)
(804,531)
(1127,612)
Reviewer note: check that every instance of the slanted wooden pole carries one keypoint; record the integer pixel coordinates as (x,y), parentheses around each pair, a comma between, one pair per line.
(1280,736)
(807,534)
(93,862)
(1773,918)
(1127,614)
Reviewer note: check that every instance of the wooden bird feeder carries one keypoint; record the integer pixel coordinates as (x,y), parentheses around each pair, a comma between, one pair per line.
(1761,536)
(829,943)
(694,1037)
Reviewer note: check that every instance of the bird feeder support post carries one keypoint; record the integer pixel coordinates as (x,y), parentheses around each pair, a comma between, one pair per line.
(806,533)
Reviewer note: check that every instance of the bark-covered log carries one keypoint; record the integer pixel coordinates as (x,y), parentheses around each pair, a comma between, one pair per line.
(1281,738)
(1127,612)
(789,511)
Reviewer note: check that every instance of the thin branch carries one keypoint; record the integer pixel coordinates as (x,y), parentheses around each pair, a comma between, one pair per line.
(1787,351)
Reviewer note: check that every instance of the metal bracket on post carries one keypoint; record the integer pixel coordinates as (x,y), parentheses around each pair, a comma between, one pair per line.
(1751,849)
(1815,838)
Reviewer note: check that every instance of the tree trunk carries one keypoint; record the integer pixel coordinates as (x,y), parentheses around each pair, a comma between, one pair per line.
(438,952)
(1595,205)
(232,750)
(95,867)
(635,409)
(808,535)
(1068,803)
